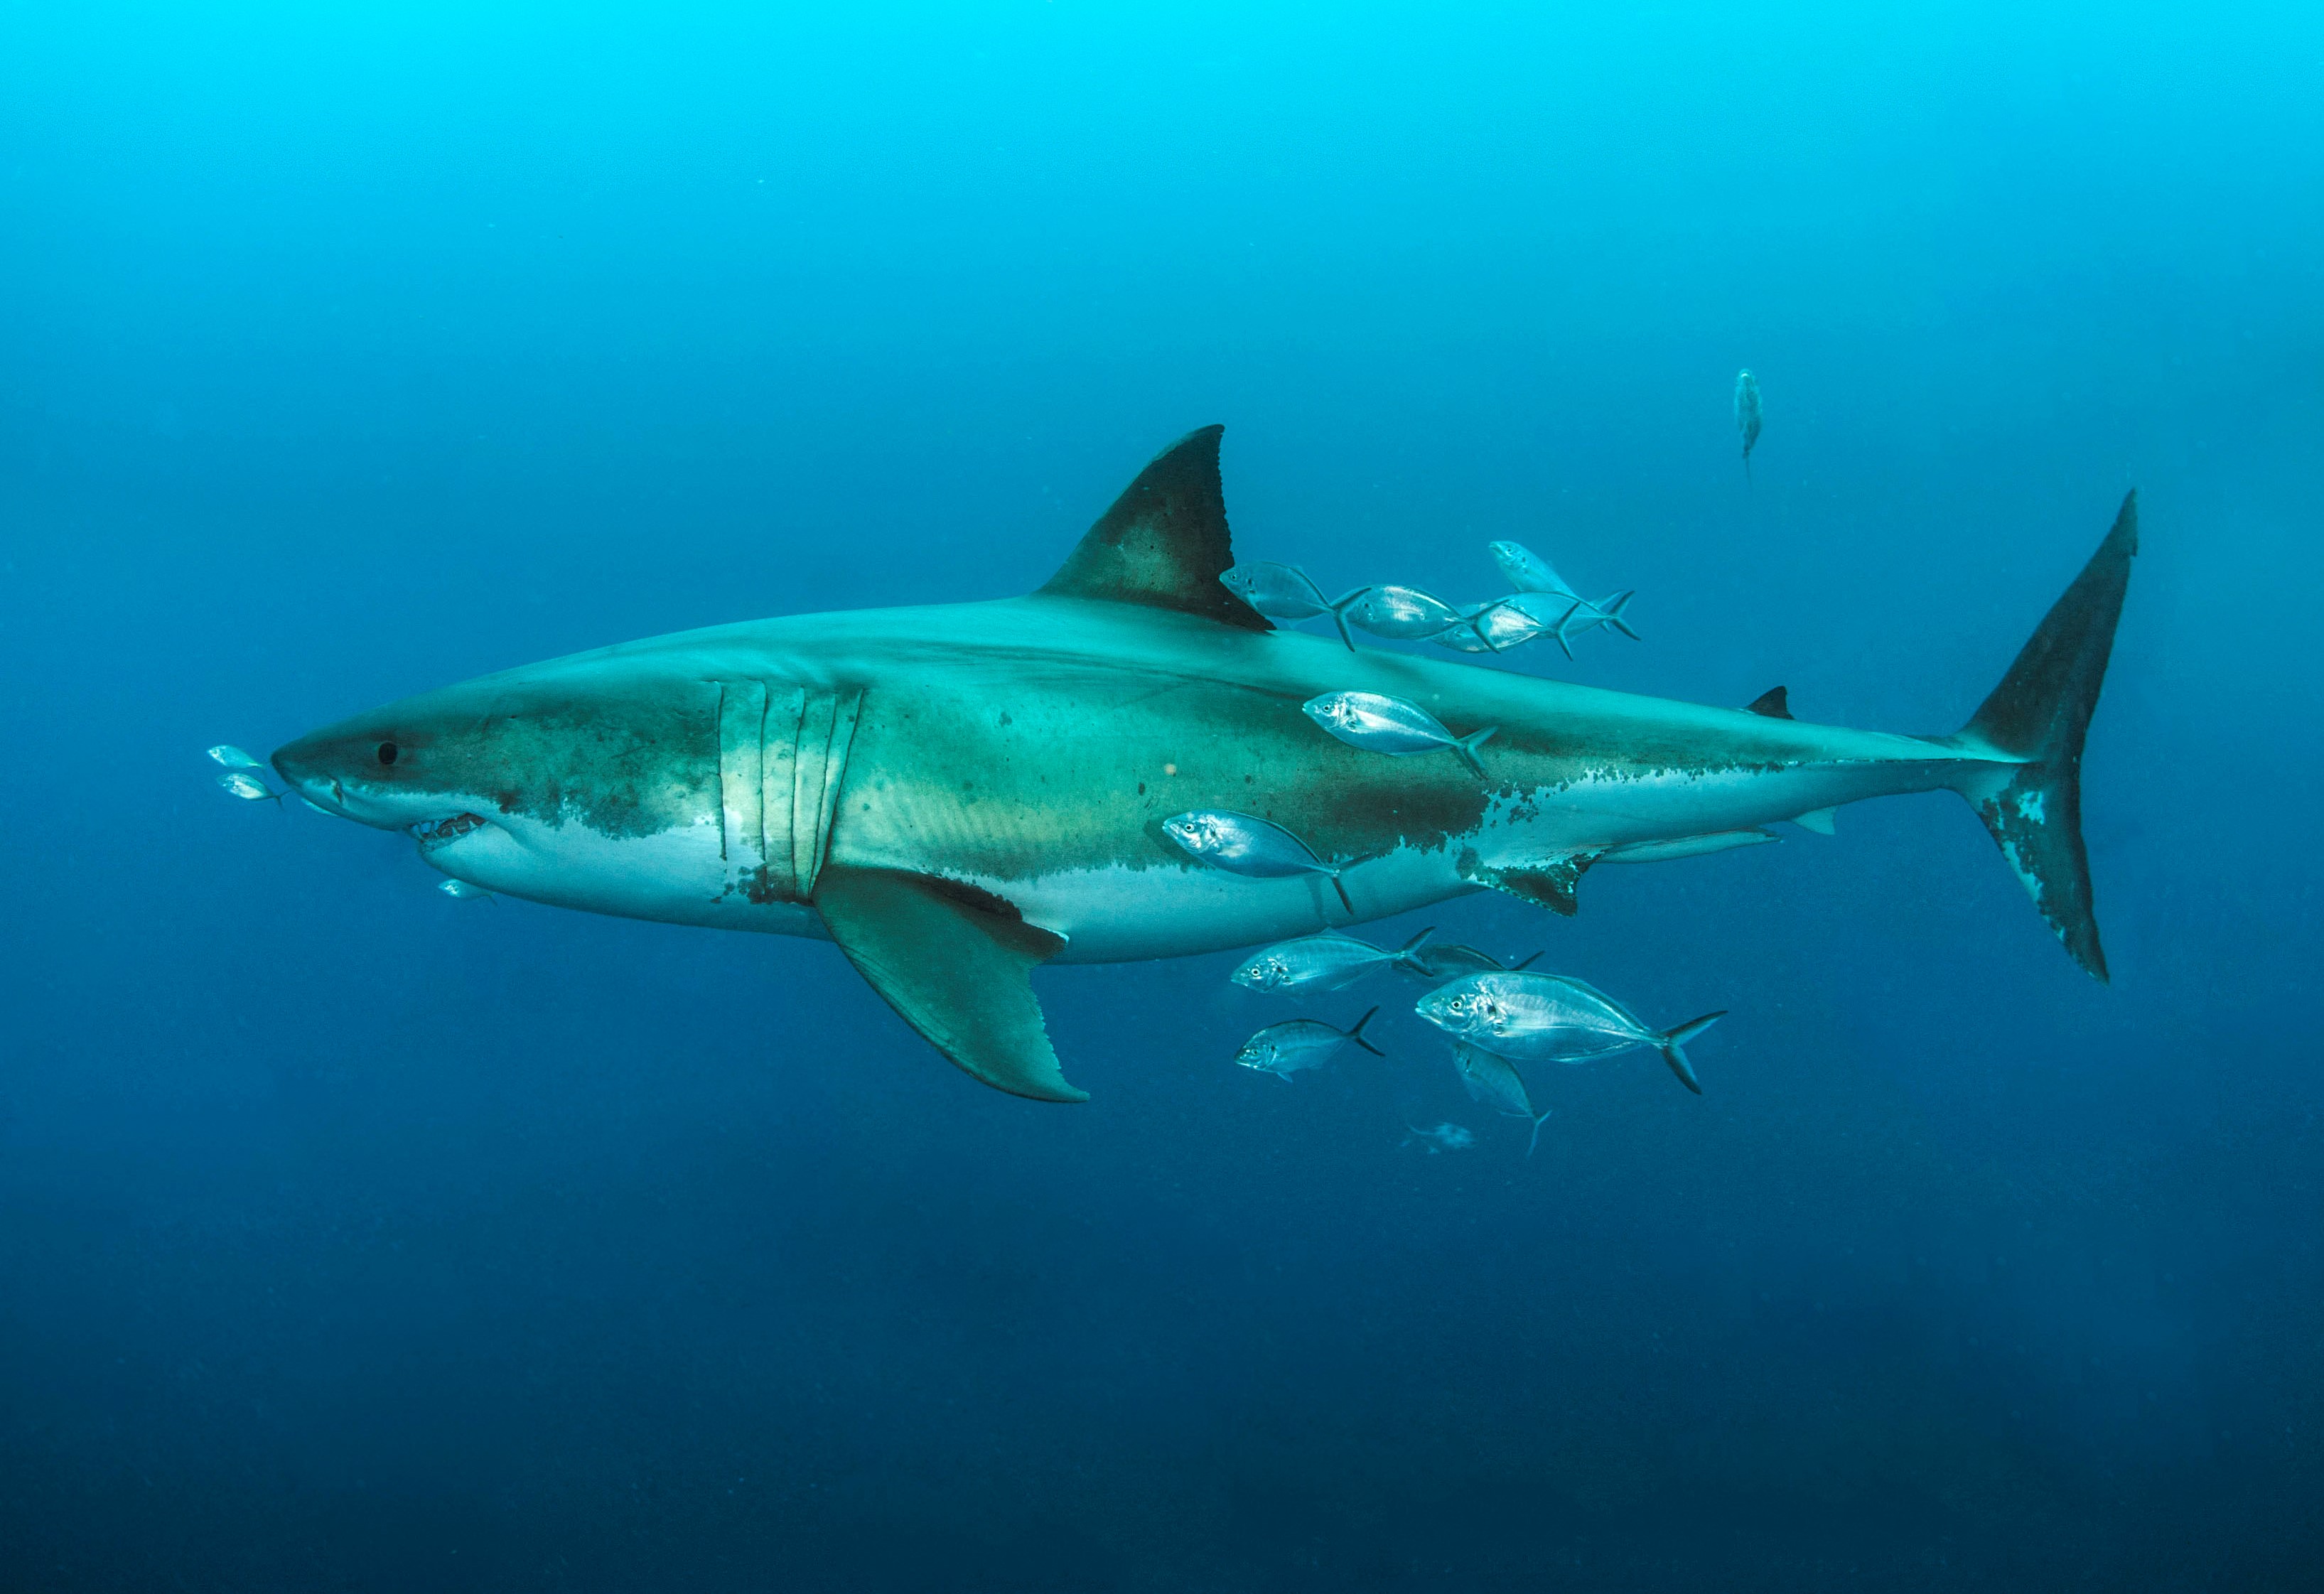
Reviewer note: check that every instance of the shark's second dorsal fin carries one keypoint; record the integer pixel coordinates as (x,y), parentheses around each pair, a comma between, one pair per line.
(1164,543)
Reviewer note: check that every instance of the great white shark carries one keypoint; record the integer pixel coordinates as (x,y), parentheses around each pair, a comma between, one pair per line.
(957,793)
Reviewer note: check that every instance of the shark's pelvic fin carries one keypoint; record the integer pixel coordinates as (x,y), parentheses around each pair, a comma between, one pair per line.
(2039,715)
(1164,543)
(953,968)
(1548,883)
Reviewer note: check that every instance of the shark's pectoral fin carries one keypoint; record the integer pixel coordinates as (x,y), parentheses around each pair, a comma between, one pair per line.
(1547,882)
(955,968)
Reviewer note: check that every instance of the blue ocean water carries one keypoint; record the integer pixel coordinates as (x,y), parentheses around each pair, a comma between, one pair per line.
(351,1238)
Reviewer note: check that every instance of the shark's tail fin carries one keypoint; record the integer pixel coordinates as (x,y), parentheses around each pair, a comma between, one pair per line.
(1672,1045)
(2037,717)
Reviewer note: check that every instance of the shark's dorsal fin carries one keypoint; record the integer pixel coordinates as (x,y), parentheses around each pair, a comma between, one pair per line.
(1164,543)
(952,962)
(1776,702)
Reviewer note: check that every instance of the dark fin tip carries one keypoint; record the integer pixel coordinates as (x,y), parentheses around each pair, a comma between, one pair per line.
(1165,542)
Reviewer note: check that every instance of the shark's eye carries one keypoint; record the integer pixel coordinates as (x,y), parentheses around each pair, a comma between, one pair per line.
(387,752)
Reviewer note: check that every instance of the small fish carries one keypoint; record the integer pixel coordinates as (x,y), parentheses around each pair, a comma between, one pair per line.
(1286,1048)
(1503,623)
(1554,1019)
(1512,621)
(1495,1083)
(1748,415)
(462,891)
(249,788)
(1402,613)
(1528,572)
(1391,725)
(1690,846)
(1534,575)
(234,758)
(1443,961)
(1243,843)
(1444,1137)
(1320,963)
(1286,592)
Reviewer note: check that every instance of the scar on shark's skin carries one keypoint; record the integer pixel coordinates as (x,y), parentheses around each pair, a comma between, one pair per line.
(959,793)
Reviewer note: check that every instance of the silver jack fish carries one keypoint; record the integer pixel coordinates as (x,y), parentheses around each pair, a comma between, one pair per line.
(1402,613)
(234,758)
(1321,963)
(1441,961)
(1245,845)
(1748,415)
(1495,1083)
(956,795)
(250,789)
(1444,1136)
(1554,1019)
(1380,723)
(1285,1049)
(1286,592)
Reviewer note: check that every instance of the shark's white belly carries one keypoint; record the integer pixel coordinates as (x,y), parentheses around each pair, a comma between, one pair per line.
(1160,907)
(678,877)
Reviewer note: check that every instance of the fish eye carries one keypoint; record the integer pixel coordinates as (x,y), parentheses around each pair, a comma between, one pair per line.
(387,751)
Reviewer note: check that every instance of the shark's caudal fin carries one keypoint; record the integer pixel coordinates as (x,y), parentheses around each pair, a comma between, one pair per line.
(2039,715)
(1165,542)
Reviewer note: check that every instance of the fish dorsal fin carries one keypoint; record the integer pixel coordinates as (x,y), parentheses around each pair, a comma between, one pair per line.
(1164,543)
(1776,702)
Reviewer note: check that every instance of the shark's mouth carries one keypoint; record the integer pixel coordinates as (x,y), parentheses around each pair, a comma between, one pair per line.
(433,835)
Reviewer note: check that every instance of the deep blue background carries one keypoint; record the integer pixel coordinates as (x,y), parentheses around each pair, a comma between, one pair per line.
(354,1239)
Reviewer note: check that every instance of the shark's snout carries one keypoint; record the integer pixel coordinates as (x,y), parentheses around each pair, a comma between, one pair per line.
(295,762)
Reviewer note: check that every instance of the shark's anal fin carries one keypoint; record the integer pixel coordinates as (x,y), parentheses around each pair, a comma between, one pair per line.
(955,967)
(1548,882)
(1164,543)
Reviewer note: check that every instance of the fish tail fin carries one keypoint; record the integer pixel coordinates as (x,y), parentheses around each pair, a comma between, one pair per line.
(2031,796)
(1612,610)
(1565,624)
(1528,962)
(1540,1118)
(1337,886)
(1673,1043)
(1467,747)
(1405,960)
(1357,1035)
(1340,607)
